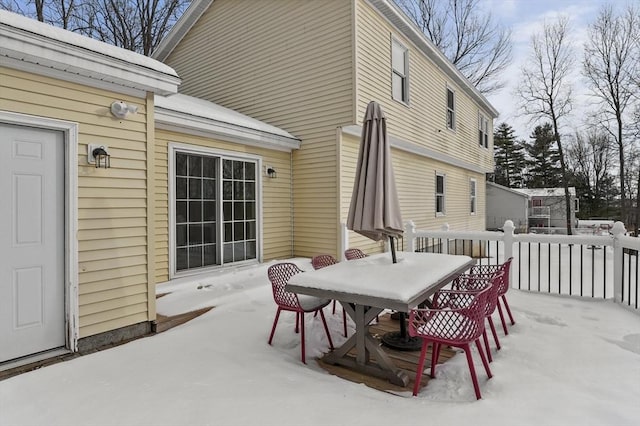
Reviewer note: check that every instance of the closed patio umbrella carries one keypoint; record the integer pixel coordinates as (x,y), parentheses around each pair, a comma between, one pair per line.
(375,209)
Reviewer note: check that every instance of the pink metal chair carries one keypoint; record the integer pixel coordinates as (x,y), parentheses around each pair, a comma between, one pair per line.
(502,291)
(354,253)
(477,282)
(458,321)
(279,274)
(322,261)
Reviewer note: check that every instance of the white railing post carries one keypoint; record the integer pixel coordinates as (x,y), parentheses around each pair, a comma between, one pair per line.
(344,240)
(507,242)
(509,230)
(410,236)
(446,228)
(618,230)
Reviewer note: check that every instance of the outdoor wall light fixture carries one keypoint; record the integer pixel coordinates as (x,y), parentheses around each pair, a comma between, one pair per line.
(271,172)
(98,155)
(121,109)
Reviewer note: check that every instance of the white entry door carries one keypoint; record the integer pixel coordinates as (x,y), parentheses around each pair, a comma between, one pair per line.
(32,291)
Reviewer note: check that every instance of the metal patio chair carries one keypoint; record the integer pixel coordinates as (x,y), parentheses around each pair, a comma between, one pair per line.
(480,281)
(354,253)
(279,274)
(322,261)
(458,321)
(502,291)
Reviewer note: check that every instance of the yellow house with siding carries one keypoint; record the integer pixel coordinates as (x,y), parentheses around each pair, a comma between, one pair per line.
(84,246)
(311,68)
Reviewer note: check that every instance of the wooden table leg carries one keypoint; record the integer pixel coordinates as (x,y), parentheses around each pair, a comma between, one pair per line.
(366,347)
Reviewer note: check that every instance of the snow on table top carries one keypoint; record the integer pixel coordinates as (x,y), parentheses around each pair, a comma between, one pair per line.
(377,276)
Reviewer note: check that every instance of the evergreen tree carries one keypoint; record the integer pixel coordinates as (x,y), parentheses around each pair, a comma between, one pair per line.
(509,157)
(544,160)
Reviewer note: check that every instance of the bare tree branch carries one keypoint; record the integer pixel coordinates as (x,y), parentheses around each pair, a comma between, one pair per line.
(610,65)
(546,90)
(478,47)
(137,25)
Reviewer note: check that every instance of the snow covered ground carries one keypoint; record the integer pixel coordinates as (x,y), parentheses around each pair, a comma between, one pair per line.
(566,362)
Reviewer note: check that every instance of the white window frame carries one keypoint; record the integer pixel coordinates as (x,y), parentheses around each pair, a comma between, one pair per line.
(400,70)
(227,155)
(451,112)
(441,195)
(483,130)
(473,195)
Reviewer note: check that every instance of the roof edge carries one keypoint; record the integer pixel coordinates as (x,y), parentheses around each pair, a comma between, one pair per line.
(404,145)
(506,188)
(169,119)
(47,50)
(394,15)
(180,29)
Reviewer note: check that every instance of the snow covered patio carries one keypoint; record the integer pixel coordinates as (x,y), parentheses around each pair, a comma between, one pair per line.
(566,361)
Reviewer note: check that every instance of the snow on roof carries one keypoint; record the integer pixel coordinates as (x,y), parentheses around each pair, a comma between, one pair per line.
(35,47)
(507,189)
(546,192)
(61,35)
(219,118)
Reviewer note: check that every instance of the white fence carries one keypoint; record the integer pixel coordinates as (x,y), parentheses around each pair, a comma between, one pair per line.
(596,266)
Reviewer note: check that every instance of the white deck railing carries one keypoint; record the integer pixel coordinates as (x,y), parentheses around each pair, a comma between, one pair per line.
(577,265)
(594,266)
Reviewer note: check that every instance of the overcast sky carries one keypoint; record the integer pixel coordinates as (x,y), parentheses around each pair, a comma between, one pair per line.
(526,17)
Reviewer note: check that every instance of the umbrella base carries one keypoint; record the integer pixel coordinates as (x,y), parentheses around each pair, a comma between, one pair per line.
(395,340)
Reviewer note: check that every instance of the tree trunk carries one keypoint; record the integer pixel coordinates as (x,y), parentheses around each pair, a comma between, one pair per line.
(637,221)
(565,179)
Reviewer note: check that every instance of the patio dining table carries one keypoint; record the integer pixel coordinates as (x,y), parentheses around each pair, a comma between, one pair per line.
(365,287)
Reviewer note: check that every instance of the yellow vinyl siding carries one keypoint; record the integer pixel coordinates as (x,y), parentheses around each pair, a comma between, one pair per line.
(290,64)
(276,196)
(112,225)
(423,120)
(415,182)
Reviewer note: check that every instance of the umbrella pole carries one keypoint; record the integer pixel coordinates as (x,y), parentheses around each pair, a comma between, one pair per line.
(400,340)
(393,249)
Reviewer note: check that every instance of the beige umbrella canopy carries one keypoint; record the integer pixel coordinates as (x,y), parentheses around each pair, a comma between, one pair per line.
(375,210)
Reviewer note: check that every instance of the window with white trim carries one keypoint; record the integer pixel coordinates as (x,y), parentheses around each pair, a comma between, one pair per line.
(214,208)
(483,130)
(451,109)
(472,195)
(440,191)
(400,72)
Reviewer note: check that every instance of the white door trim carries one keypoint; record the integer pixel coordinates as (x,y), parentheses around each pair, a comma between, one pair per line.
(70,131)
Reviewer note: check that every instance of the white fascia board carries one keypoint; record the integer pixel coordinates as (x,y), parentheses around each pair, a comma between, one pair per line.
(41,55)
(404,145)
(396,17)
(180,29)
(184,123)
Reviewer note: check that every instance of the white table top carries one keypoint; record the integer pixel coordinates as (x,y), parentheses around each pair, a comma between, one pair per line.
(377,281)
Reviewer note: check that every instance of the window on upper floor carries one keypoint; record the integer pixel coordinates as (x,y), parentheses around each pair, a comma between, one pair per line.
(451,109)
(440,190)
(400,72)
(483,130)
(472,195)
